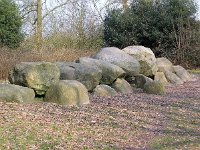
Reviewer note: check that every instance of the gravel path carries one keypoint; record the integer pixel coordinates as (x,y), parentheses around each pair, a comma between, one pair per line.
(131,122)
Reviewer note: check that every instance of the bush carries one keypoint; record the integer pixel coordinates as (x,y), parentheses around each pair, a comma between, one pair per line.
(167,27)
(10,24)
(119,29)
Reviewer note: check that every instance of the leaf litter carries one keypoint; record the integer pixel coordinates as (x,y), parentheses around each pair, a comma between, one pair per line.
(136,121)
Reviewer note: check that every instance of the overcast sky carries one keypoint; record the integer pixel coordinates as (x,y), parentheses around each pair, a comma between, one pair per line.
(101,2)
(197,1)
(198,15)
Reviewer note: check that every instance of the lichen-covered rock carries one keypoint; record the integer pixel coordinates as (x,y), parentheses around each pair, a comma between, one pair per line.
(110,72)
(182,73)
(173,78)
(118,57)
(66,72)
(164,64)
(122,86)
(160,76)
(104,91)
(35,75)
(67,92)
(154,87)
(17,94)
(146,58)
(140,81)
(89,75)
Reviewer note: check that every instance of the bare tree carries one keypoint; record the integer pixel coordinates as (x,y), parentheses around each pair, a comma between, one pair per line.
(39,24)
(77,19)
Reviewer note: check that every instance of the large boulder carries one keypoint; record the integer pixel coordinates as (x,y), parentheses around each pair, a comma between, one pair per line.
(173,78)
(122,86)
(140,81)
(164,64)
(67,92)
(154,87)
(15,93)
(160,76)
(104,91)
(89,75)
(182,73)
(35,75)
(110,72)
(66,72)
(118,57)
(146,58)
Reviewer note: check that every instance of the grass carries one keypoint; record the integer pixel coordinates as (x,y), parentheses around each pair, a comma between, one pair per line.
(27,130)
(48,127)
(26,137)
(182,132)
(195,71)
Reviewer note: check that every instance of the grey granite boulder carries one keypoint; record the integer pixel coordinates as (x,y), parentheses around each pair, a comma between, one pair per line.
(89,75)
(141,80)
(154,87)
(104,91)
(66,72)
(35,75)
(146,58)
(15,93)
(122,86)
(182,73)
(173,78)
(118,57)
(164,64)
(110,72)
(67,92)
(160,76)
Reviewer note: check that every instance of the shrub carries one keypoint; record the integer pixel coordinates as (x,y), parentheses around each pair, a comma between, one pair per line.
(168,27)
(10,24)
(119,28)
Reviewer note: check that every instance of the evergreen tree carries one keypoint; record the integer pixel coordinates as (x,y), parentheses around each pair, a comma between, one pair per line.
(10,24)
(166,26)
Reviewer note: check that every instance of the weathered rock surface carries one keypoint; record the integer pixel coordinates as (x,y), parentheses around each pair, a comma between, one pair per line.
(66,72)
(154,87)
(118,57)
(146,58)
(122,86)
(67,92)
(35,75)
(110,72)
(173,78)
(182,73)
(104,91)
(88,75)
(160,76)
(15,93)
(164,64)
(140,81)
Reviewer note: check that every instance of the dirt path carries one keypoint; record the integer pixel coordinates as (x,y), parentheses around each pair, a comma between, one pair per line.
(135,121)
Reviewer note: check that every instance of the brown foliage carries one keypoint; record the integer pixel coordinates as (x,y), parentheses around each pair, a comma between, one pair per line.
(9,58)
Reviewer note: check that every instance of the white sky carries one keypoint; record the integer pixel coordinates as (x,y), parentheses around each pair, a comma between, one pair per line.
(101,2)
(198,15)
(197,1)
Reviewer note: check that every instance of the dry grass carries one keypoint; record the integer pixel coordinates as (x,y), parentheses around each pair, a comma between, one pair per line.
(9,58)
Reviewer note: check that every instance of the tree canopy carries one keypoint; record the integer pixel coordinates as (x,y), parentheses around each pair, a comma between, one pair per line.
(10,24)
(166,26)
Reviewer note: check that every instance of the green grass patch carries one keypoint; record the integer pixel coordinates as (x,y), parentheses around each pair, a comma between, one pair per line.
(182,130)
(195,71)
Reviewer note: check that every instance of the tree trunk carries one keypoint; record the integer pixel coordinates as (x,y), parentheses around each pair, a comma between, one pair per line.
(125,4)
(39,24)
